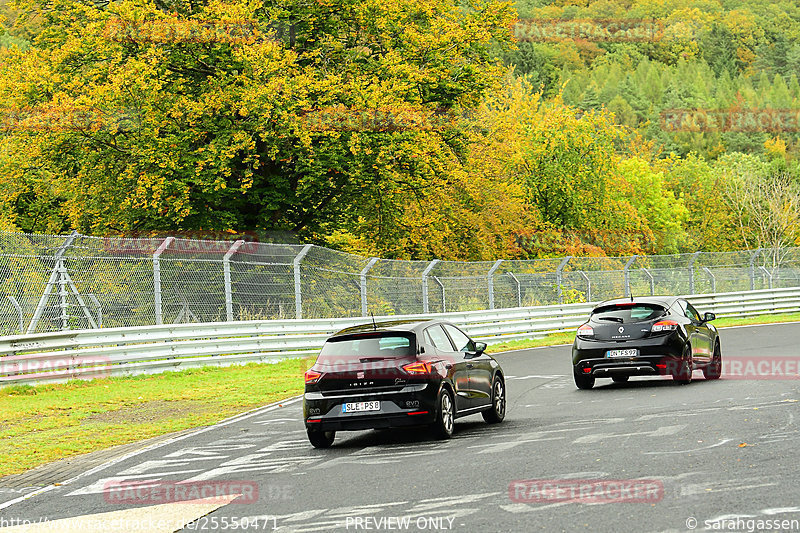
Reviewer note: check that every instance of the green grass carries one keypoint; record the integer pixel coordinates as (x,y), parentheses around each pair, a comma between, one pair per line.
(569,337)
(49,422)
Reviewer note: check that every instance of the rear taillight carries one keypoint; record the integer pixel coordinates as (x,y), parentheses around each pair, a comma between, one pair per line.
(663,326)
(418,368)
(585,331)
(312,376)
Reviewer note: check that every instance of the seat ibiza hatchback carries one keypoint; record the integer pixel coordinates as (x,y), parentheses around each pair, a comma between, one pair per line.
(400,373)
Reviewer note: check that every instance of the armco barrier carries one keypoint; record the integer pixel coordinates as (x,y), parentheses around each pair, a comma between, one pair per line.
(60,356)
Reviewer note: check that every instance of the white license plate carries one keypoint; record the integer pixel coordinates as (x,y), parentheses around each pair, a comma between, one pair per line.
(360,406)
(630,352)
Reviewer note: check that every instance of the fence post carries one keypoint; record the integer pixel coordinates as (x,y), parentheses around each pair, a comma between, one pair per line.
(363,284)
(691,271)
(298,298)
(519,288)
(62,296)
(560,278)
(157,278)
(425,308)
(491,282)
(753,269)
(627,275)
(226,269)
(55,276)
(588,285)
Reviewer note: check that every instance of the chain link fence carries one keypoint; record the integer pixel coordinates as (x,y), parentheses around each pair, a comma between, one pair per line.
(52,283)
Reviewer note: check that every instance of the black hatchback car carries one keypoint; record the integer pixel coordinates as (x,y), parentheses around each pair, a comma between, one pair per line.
(645,336)
(400,373)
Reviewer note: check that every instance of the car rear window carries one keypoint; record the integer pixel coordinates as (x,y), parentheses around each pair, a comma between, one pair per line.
(372,346)
(624,314)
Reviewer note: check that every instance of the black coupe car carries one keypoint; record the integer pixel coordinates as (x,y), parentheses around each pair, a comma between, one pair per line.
(645,336)
(400,373)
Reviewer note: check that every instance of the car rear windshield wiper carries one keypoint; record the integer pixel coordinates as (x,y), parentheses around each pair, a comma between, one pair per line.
(371,359)
(611,319)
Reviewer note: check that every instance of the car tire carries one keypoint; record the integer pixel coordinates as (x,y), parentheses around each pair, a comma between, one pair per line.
(321,439)
(497,413)
(683,374)
(620,379)
(714,368)
(583,381)
(442,427)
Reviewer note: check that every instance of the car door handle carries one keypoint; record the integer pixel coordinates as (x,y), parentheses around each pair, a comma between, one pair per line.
(470,365)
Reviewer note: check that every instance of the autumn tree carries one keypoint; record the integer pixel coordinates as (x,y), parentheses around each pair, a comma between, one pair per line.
(766,205)
(324,114)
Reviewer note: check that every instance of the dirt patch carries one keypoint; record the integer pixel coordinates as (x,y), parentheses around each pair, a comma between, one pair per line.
(149,412)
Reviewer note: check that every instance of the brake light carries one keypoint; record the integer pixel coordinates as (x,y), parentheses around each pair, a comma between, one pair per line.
(664,325)
(418,368)
(585,331)
(312,376)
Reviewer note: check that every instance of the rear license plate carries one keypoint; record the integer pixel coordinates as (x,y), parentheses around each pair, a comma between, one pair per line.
(630,352)
(360,406)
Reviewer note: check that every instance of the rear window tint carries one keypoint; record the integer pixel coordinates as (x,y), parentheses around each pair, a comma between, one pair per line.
(627,313)
(388,346)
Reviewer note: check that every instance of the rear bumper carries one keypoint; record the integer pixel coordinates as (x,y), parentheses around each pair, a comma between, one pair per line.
(413,405)
(361,422)
(658,355)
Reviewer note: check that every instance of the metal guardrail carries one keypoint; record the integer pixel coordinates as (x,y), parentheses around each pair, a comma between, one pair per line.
(60,356)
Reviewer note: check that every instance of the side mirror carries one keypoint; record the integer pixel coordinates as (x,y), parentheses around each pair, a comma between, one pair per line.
(480,347)
(708,317)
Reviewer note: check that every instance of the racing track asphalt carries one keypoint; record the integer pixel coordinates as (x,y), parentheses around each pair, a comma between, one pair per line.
(713,450)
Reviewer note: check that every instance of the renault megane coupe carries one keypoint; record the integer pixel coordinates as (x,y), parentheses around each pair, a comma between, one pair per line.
(645,336)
